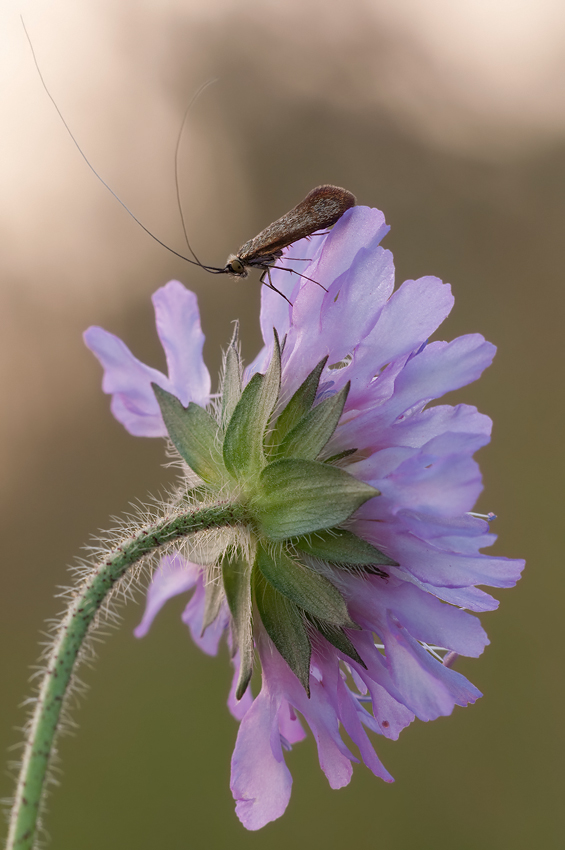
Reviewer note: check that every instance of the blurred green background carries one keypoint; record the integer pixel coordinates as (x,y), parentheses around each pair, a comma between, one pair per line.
(448,116)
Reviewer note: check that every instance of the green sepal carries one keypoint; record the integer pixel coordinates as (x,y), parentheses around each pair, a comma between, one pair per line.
(236,575)
(213,596)
(337,638)
(243,442)
(340,455)
(284,624)
(231,383)
(195,435)
(296,497)
(339,546)
(298,406)
(310,435)
(303,586)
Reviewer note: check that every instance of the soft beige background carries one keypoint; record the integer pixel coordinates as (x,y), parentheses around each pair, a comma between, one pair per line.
(449,116)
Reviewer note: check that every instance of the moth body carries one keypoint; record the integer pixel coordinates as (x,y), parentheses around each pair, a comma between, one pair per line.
(321,208)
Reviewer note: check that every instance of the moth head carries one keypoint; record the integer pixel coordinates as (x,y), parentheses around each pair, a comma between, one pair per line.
(235,267)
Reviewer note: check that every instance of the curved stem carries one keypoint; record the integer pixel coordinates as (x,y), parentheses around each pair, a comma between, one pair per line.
(67,647)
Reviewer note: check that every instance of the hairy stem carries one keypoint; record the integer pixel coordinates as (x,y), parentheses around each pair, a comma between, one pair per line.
(66,650)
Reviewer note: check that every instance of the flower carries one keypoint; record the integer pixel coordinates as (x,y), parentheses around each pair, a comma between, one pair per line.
(359,496)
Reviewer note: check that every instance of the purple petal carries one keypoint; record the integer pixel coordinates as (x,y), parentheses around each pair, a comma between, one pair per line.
(260,363)
(276,312)
(443,568)
(351,249)
(129,381)
(424,616)
(409,673)
(178,324)
(349,711)
(429,689)
(290,726)
(423,426)
(356,299)
(411,315)
(466,534)
(174,575)
(472,598)
(440,368)
(193,617)
(448,486)
(335,758)
(390,715)
(260,780)
(360,227)
(378,673)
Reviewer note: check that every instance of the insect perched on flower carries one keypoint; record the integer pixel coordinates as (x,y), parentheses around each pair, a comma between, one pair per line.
(321,208)
(352,496)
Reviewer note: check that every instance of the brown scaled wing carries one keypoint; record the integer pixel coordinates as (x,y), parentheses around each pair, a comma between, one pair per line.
(321,208)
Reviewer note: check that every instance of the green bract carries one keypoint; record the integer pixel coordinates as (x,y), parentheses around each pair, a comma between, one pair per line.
(300,496)
(236,573)
(195,435)
(266,457)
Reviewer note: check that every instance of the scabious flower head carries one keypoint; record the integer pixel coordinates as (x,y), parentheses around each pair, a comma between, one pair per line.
(357,495)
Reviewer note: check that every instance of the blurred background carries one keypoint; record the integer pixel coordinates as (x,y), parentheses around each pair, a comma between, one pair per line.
(447,115)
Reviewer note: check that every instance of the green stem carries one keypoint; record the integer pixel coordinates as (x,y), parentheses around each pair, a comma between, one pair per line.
(66,650)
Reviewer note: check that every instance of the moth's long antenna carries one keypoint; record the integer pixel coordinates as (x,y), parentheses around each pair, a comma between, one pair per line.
(193,99)
(212,269)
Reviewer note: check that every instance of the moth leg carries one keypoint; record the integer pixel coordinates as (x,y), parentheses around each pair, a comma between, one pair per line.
(292,271)
(270,285)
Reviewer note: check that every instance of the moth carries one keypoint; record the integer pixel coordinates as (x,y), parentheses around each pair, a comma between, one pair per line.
(320,209)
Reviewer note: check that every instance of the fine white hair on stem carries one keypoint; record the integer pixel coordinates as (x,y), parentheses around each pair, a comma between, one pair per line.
(117,563)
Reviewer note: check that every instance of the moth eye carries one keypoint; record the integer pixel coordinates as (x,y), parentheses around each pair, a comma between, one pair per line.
(236,266)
